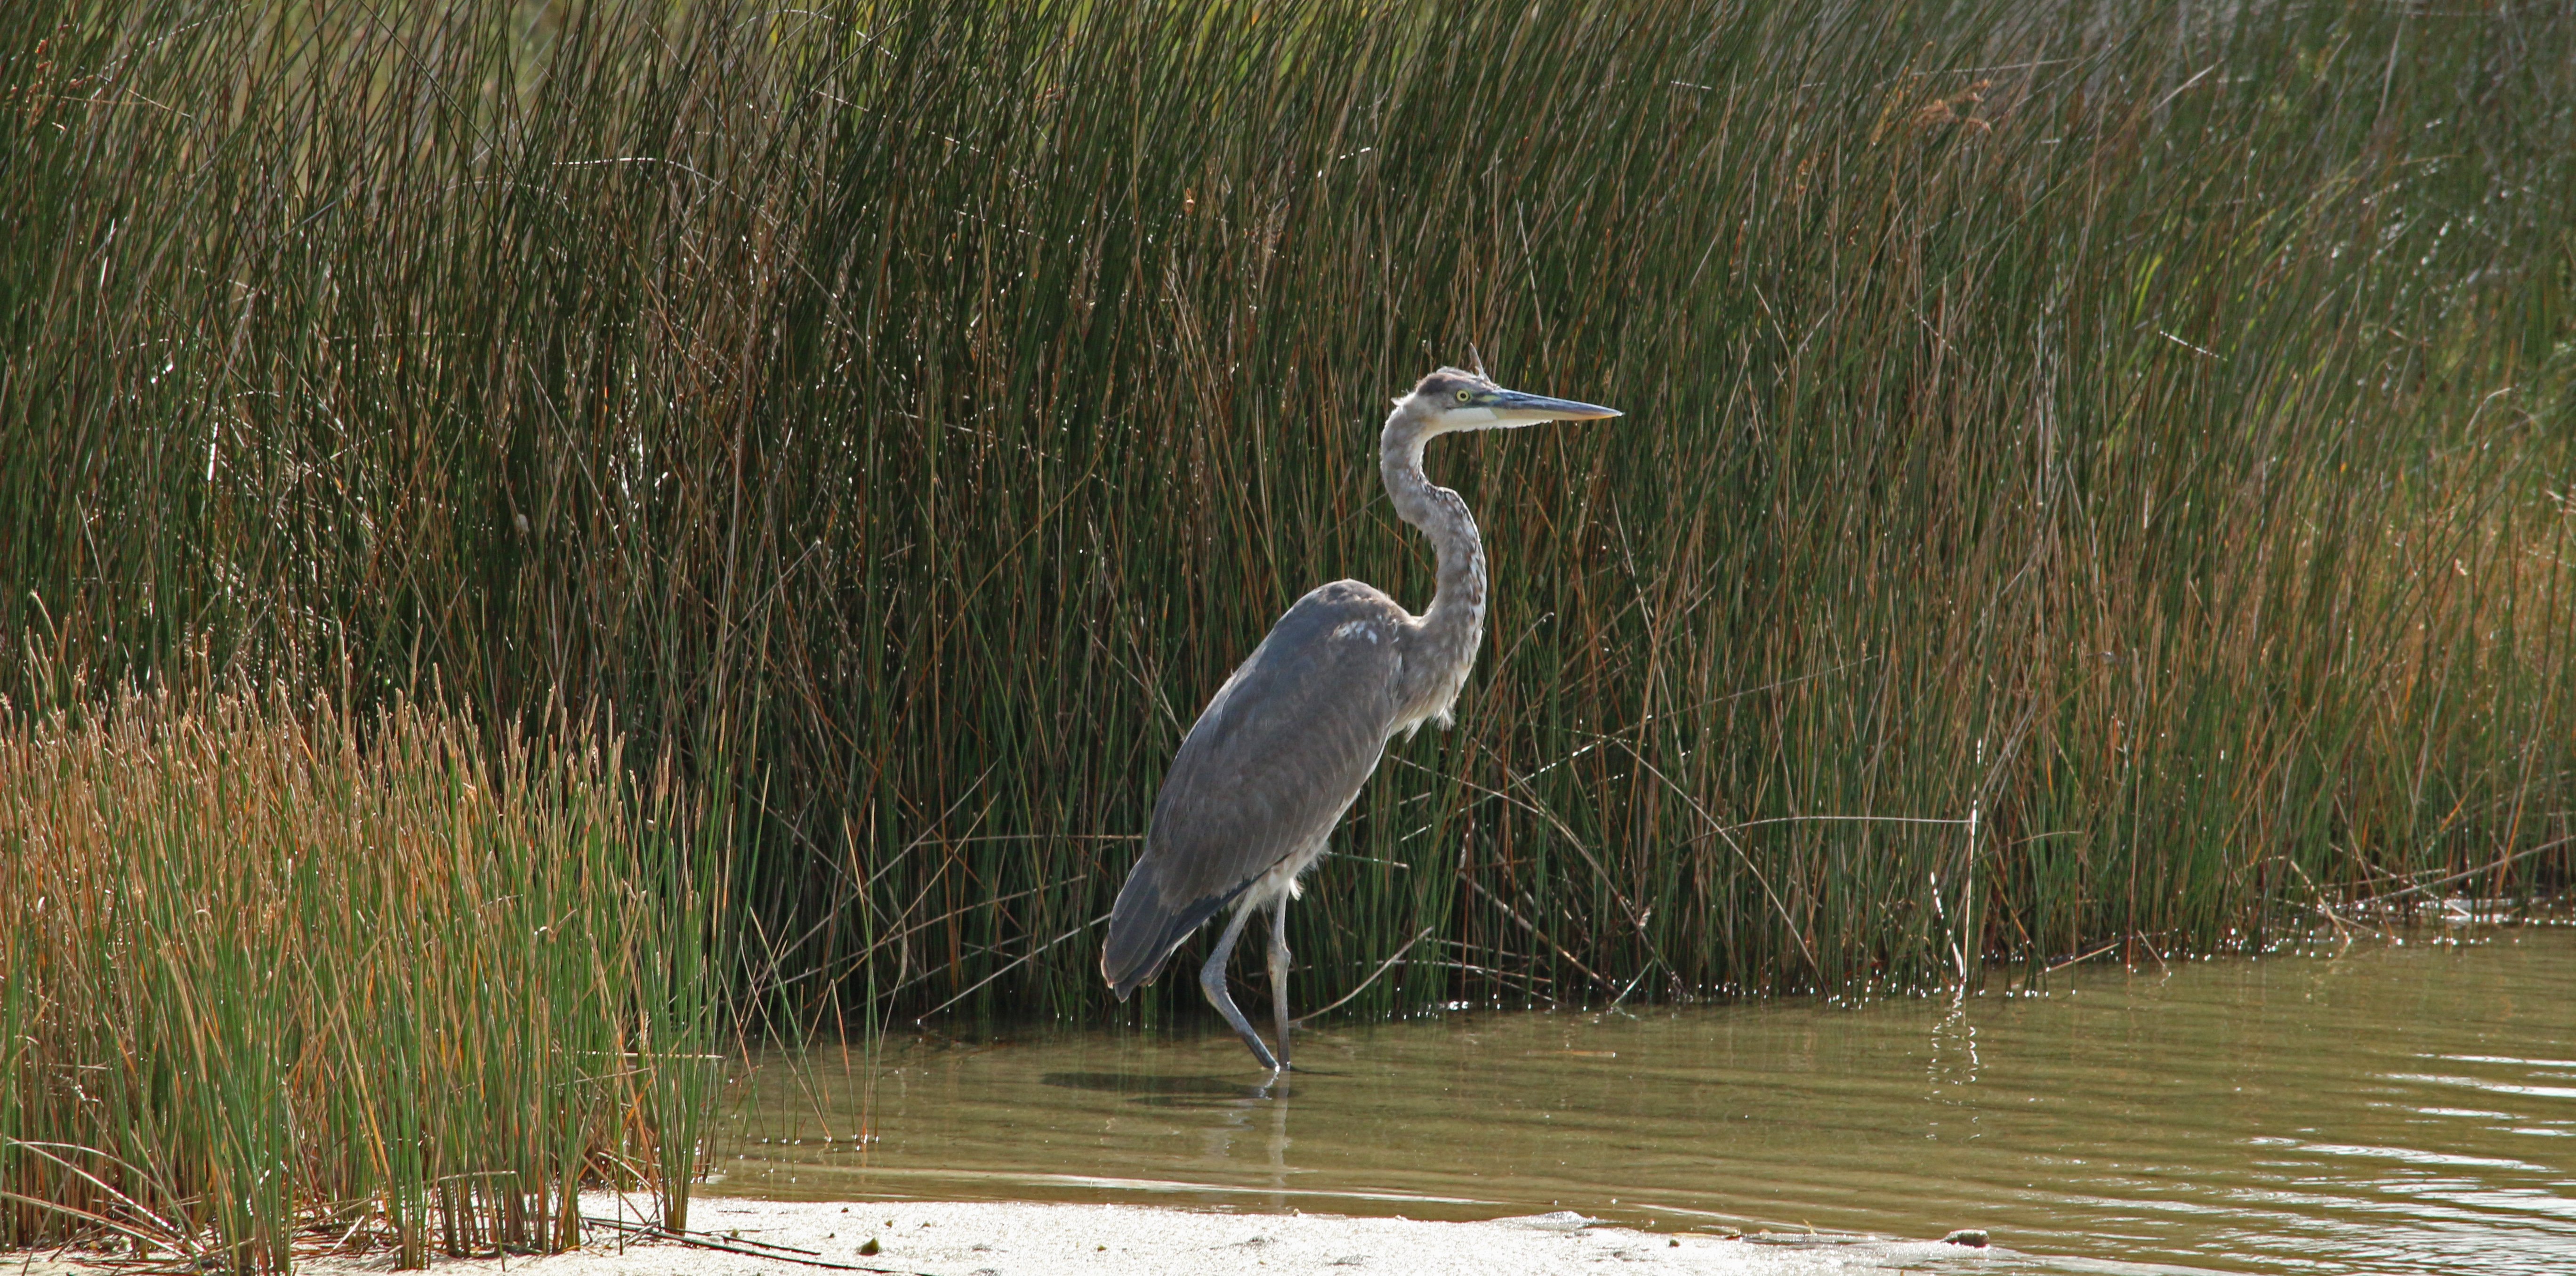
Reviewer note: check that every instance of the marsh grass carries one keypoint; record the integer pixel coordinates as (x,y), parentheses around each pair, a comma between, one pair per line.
(2121,450)
(281,980)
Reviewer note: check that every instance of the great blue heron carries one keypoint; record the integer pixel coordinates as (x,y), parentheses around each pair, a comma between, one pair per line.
(1281,751)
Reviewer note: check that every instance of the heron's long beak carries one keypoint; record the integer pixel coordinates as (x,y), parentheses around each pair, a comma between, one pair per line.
(1511,407)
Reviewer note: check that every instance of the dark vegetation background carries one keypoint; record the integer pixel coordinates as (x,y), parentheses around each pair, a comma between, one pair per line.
(2140,428)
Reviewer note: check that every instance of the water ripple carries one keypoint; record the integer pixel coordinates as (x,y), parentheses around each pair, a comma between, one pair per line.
(2290,1115)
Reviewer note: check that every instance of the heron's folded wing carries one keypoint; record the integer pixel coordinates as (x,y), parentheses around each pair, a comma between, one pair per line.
(1267,770)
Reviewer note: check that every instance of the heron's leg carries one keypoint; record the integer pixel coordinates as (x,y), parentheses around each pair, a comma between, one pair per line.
(1212,982)
(1279,974)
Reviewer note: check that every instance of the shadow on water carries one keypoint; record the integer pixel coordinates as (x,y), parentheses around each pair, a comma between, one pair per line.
(2394,1108)
(1198,1090)
(1150,1088)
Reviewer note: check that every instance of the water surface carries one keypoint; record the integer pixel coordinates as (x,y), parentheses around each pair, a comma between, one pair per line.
(2394,1109)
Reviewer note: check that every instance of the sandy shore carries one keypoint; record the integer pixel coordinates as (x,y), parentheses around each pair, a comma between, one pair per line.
(1015,1239)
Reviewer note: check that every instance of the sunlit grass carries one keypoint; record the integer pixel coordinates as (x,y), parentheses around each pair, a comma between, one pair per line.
(2140,430)
(280,981)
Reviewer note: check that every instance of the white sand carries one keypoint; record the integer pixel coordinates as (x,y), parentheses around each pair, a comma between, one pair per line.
(974,1239)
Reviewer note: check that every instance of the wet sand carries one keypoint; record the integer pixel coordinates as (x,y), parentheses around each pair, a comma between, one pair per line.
(1020,1239)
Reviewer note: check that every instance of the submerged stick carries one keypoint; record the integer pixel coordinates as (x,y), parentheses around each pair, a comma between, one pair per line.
(2489,867)
(1382,968)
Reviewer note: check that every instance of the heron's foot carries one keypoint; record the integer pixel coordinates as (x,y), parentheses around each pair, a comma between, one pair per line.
(1252,1041)
(1281,1031)
(1279,979)
(1212,983)
(1261,1051)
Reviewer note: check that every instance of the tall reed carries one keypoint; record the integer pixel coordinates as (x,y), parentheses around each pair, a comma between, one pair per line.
(2128,441)
(277,978)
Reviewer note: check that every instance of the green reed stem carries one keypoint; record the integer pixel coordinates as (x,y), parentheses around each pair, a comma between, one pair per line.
(281,978)
(2144,426)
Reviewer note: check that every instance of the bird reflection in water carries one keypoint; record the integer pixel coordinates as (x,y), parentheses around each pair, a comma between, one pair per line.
(1207,1094)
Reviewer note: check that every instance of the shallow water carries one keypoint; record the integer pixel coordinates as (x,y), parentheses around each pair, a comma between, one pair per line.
(2395,1109)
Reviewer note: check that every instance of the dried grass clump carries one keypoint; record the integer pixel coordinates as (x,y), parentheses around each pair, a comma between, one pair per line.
(277,978)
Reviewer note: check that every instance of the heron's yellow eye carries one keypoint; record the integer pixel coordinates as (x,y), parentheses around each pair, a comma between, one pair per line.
(1462,396)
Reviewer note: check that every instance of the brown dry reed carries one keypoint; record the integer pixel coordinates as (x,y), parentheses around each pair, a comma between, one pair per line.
(281,981)
(2096,475)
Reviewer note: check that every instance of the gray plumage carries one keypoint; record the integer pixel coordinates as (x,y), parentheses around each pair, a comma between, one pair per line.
(1282,750)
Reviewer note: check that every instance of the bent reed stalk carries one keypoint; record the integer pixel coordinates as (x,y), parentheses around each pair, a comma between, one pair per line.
(277,979)
(2119,449)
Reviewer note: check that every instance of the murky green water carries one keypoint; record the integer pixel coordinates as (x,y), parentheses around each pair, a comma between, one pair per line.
(2396,1109)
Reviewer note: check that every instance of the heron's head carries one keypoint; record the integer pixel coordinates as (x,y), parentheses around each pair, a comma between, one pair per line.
(1455,399)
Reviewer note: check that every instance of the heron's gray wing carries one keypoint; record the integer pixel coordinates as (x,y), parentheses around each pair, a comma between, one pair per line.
(1266,771)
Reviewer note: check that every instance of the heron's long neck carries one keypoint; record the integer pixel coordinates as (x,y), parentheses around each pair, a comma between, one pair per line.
(1444,645)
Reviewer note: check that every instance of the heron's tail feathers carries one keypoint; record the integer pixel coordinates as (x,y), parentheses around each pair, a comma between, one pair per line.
(1143,931)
